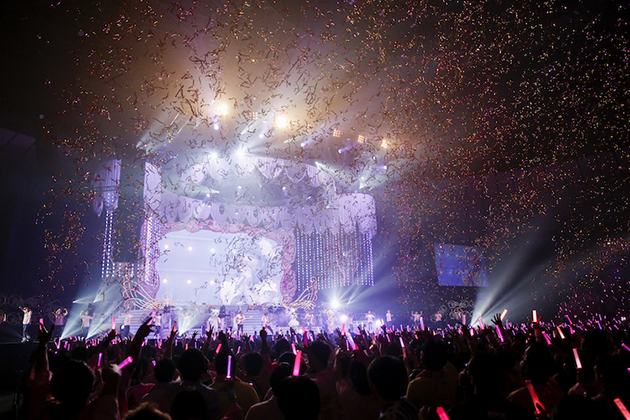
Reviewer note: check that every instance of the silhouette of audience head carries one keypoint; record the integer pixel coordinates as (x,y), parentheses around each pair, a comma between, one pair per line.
(321,351)
(189,404)
(192,364)
(280,372)
(72,384)
(221,362)
(298,398)
(538,364)
(253,363)
(388,378)
(146,411)
(164,370)
(433,355)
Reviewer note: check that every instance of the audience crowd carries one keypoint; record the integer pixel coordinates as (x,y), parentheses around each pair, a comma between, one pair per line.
(576,370)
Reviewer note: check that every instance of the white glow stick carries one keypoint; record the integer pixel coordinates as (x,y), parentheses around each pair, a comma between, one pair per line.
(534,316)
(114,322)
(442,414)
(503,314)
(622,408)
(422,323)
(293,348)
(125,362)
(578,363)
(229,368)
(296,365)
(561,333)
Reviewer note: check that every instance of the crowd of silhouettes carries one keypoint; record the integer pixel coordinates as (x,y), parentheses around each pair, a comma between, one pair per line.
(575,370)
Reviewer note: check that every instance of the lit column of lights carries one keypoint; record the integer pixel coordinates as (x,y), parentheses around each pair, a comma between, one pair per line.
(368,249)
(106,267)
(152,253)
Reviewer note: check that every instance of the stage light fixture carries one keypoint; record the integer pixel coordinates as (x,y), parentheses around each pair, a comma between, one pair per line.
(384,144)
(334,304)
(361,138)
(189,281)
(213,155)
(216,126)
(282,122)
(336,132)
(343,318)
(164,281)
(190,248)
(222,110)
(166,246)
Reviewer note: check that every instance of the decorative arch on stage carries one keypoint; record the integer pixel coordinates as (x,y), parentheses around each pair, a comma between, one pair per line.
(250,254)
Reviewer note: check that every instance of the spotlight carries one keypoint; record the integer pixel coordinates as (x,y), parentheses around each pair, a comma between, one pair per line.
(361,138)
(343,318)
(190,248)
(189,281)
(336,132)
(216,126)
(384,144)
(164,281)
(222,110)
(213,155)
(334,304)
(282,122)
(166,246)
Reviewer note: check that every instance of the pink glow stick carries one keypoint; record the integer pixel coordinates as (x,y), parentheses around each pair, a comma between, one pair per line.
(305,338)
(219,348)
(578,363)
(114,322)
(622,408)
(442,414)
(422,323)
(229,368)
(503,314)
(293,348)
(296,365)
(402,343)
(569,318)
(41,321)
(343,328)
(499,333)
(238,350)
(535,400)
(100,358)
(534,316)
(125,362)
(464,319)
(625,346)
(547,339)
(481,323)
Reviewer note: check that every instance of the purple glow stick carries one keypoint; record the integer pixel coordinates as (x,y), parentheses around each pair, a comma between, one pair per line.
(229,368)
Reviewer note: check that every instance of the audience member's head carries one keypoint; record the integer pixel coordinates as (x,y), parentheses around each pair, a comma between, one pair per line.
(538,365)
(189,404)
(72,384)
(321,351)
(146,411)
(434,355)
(192,364)
(486,372)
(221,362)
(253,363)
(298,398)
(164,370)
(278,374)
(388,378)
(358,377)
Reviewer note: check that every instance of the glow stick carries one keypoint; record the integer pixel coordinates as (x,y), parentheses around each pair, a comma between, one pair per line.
(422,323)
(305,338)
(481,323)
(219,348)
(547,339)
(442,414)
(561,333)
(622,408)
(534,316)
(293,348)
(100,358)
(229,368)
(625,346)
(503,314)
(499,333)
(125,362)
(58,343)
(599,325)
(578,363)
(296,365)
(569,318)
(464,319)
(343,328)
(535,400)
(41,321)
(402,343)
(239,350)
(114,322)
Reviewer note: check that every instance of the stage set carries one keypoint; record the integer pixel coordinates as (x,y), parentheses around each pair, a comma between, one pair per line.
(206,257)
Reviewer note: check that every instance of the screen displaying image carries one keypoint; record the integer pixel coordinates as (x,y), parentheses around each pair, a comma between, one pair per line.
(459,265)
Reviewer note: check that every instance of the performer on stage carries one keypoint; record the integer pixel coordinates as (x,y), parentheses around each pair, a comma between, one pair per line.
(126,329)
(308,320)
(85,323)
(239,318)
(266,322)
(293,322)
(330,321)
(26,320)
(369,317)
(438,319)
(388,317)
(157,323)
(416,318)
(59,315)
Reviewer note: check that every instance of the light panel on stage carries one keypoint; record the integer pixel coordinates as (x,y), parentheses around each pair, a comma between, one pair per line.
(218,268)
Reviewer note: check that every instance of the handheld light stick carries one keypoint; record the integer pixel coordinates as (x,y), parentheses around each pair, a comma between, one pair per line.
(534,316)
(578,363)
(100,358)
(114,322)
(125,362)
(499,333)
(535,400)
(293,348)
(442,414)
(218,348)
(622,408)
(422,323)
(296,365)
(229,368)
(503,314)
(561,333)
